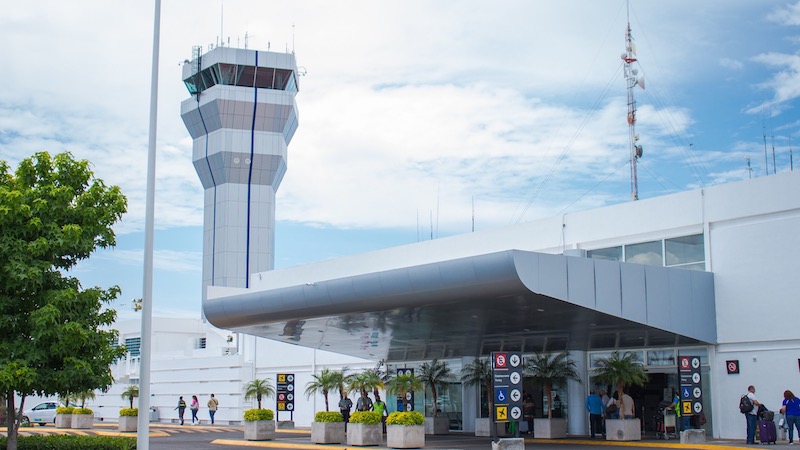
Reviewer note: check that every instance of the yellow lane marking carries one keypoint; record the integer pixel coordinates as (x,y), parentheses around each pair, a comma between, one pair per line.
(283,445)
(635,444)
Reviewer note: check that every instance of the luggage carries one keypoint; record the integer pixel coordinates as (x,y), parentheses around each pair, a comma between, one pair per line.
(767,431)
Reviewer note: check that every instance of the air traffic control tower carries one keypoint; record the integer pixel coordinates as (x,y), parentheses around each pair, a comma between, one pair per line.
(242,116)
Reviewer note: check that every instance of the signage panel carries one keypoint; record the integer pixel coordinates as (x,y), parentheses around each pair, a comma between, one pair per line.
(507,386)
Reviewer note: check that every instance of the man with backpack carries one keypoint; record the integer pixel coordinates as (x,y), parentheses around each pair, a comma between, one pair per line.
(748,405)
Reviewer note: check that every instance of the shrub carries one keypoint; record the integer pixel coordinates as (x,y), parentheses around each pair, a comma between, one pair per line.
(72,442)
(65,410)
(405,418)
(328,416)
(82,411)
(365,417)
(251,415)
(129,412)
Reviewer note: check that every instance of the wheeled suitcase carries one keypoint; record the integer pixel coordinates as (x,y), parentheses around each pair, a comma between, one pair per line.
(767,432)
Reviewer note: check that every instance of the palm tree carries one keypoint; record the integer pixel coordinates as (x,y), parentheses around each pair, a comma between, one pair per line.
(435,374)
(363,382)
(257,389)
(339,377)
(130,392)
(621,371)
(402,385)
(84,396)
(547,369)
(479,373)
(323,383)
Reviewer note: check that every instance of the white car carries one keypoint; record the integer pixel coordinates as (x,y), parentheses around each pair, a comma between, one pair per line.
(43,413)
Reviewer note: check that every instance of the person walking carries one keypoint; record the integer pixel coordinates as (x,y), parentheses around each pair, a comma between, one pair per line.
(628,407)
(682,420)
(752,416)
(364,403)
(612,407)
(213,404)
(594,405)
(791,411)
(194,407)
(181,408)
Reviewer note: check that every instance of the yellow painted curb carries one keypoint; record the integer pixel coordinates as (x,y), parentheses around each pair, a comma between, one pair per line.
(634,444)
(284,445)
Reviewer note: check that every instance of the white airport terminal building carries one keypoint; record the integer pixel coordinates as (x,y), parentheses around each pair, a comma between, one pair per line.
(709,272)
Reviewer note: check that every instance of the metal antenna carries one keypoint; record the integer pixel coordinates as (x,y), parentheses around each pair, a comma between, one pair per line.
(766,160)
(629,57)
(749,169)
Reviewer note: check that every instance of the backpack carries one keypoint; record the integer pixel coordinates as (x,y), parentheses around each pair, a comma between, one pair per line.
(745,404)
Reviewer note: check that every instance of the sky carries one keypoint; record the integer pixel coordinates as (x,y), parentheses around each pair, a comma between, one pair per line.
(418,119)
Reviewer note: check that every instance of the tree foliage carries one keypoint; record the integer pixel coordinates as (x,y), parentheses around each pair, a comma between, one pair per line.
(363,382)
(53,214)
(258,389)
(322,383)
(435,375)
(621,370)
(479,373)
(548,369)
(130,392)
(402,385)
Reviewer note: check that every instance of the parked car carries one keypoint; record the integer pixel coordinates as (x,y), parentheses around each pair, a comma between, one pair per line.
(43,413)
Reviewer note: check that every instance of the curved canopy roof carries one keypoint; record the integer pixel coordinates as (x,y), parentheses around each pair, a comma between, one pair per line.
(508,300)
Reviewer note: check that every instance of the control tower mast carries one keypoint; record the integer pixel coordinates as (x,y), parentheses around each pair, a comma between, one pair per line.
(242,116)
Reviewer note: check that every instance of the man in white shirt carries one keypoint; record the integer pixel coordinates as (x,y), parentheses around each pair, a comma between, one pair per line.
(752,416)
(628,408)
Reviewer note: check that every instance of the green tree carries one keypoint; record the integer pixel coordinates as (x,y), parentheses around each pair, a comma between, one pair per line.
(363,382)
(548,369)
(479,373)
(323,383)
(620,371)
(402,385)
(257,389)
(53,214)
(130,393)
(434,375)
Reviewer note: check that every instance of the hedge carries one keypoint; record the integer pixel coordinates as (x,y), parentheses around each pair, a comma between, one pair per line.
(328,416)
(365,417)
(405,418)
(129,412)
(71,442)
(251,415)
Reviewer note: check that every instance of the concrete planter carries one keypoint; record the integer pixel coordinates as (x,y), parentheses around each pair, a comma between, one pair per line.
(437,425)
(405,436)
(509,444)
(63,420)
(362,434)
(623,430)
(259,430)
(549,428)
(483,426)
(128,423)
(82,421)
(327,433)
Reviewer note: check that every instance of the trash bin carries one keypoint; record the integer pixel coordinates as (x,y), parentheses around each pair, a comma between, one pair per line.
(154,414)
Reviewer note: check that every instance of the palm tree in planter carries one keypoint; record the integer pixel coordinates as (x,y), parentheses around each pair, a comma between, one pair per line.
(548,369)
(128,417)
(479,373)
(258,423)
(83,418)
(621,371)
(434,375)
(402,385)
(363,382)
(326,381)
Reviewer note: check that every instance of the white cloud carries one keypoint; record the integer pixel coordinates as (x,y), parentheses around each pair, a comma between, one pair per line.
(786,15)
(729,63)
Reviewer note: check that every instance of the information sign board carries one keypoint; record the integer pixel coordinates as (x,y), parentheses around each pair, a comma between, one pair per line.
(507,386)
(691,391)
(409,395)
(284,392)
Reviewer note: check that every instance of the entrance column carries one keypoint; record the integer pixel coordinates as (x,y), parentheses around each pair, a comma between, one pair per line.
(470,407)
(576,396)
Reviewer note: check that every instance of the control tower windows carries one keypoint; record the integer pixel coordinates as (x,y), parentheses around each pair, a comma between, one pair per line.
(241,75)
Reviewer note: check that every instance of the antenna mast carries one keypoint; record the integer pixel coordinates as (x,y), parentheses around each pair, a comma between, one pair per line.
(630,73)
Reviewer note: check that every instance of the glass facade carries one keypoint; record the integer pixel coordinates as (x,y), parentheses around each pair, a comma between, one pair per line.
(686,252)
(134,345)
(241,75)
